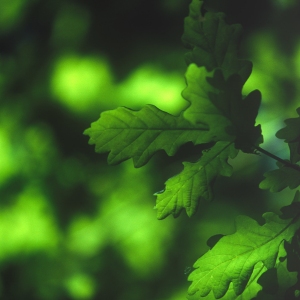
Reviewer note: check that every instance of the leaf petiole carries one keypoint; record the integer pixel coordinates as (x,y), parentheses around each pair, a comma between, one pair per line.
(285,162)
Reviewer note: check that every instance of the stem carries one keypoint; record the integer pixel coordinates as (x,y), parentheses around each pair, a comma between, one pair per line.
(285,162)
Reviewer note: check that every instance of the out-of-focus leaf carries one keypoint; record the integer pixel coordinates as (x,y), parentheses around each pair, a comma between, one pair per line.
(195,181)
(251,289)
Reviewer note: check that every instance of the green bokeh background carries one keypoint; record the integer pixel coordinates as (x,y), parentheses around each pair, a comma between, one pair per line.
(72,227)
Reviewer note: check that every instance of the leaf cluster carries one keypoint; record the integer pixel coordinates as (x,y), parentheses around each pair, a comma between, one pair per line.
(218,114)
(240,265)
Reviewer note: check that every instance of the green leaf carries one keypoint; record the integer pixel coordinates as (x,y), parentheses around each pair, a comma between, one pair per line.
(213,43)
(279,179)
(126,133)
(291,135)
(251,289)
(292,130)
(219,103)
(202,110)
(233,258)
(195,181)
(240,110)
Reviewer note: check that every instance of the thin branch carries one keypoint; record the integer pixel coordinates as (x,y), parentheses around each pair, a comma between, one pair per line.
(285,162)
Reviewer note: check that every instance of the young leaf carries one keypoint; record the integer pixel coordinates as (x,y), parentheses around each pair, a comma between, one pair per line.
(126,133)
(279,179)
(233,258)
(213,43)
(291,135)
(195,181)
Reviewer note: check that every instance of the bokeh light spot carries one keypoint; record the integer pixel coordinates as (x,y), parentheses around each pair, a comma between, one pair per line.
(79,82)
(28,225)
(131,223)
(86,236)
(150,85)
(80,286)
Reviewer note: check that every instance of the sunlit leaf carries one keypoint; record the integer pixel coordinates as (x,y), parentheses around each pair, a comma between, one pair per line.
(233,258)
(218,102)
(291,135)
(195,181)
(292,130)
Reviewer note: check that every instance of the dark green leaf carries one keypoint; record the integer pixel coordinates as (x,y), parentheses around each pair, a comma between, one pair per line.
(277,180)
(250,291)
(213,43)
(219,103)
(139,134)
(234,257)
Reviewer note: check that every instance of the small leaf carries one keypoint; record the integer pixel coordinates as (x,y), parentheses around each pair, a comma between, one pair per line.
(291,135)
(279,179)
(213,43)
(195,181)
(126,133)
(233,258)
(291,132)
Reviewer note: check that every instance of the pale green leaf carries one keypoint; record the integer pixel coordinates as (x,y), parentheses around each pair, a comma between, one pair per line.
(195,181)
(233,258)
(126,133)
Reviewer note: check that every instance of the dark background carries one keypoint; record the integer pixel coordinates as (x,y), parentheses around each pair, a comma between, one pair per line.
(72,227)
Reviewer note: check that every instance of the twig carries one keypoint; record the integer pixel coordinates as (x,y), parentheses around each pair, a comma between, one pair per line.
(285,162)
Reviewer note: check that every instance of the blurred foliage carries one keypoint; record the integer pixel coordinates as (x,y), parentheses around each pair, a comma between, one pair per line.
(70,226)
